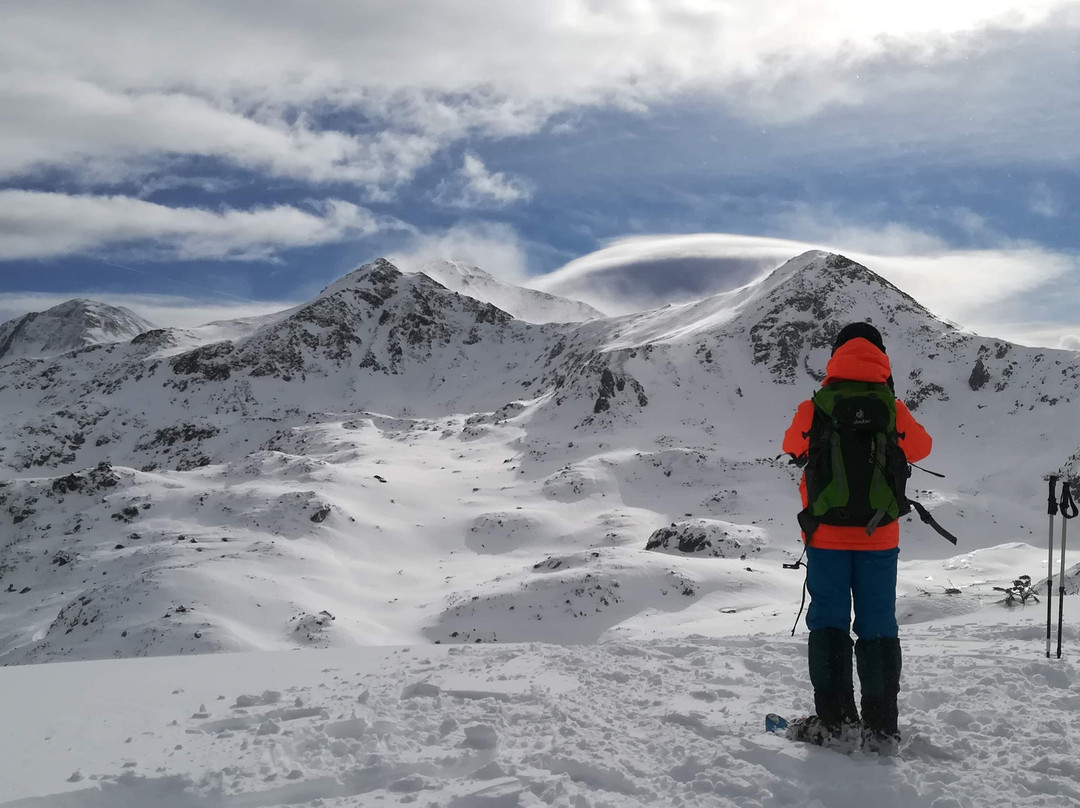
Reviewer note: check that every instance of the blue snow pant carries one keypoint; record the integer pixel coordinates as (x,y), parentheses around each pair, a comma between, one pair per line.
(835,578)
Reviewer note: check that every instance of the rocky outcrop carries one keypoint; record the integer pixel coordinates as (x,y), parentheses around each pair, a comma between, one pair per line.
(706,537)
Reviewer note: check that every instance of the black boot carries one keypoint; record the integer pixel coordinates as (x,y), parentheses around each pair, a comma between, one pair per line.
(829,654)
(879,662)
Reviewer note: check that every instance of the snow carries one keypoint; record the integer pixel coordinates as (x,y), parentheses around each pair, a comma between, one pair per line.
(389,546)
(67,327)
(525,304)
(667,720)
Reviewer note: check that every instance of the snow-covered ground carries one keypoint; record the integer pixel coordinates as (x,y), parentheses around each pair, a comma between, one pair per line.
(659,718)
(550,556)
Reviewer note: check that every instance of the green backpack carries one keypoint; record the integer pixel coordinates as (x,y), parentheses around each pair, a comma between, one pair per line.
(856,471)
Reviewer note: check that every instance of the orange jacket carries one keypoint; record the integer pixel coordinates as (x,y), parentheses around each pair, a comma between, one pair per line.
(857,360)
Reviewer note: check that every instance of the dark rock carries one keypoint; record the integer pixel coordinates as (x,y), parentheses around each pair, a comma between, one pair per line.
(206,361)
(127,514)
(702,539)
(20,514)
(64,485)
(156,338)
(183,433)
(979,375)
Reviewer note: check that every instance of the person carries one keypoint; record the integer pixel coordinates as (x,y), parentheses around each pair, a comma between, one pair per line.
(853,564)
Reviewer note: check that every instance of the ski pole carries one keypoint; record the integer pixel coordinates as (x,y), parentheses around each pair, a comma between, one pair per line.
(1051,509)
(1068,511)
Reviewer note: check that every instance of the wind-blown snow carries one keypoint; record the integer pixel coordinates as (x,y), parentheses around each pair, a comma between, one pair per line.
(394,463)
(529,305)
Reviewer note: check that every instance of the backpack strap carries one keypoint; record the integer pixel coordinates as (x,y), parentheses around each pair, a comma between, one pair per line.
(808,523)
(928,519)
(871,526)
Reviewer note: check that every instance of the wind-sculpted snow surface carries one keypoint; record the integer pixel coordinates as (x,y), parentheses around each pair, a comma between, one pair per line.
(410,461)
(653,722)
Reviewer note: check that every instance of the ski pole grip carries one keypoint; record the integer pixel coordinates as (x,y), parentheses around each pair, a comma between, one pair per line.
(1067,504)
(1051,502)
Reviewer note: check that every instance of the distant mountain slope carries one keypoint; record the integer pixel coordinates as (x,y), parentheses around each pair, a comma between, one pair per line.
(525,304)
(506,476)
(68,327)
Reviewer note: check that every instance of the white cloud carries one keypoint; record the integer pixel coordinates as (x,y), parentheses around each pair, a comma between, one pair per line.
(642,272)
(46,225)
(106,135)
(960,285)
(105,89)
(1064,335)
(473,186)
(494,247)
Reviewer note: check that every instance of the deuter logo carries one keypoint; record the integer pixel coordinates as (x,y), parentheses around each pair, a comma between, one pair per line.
(860,418)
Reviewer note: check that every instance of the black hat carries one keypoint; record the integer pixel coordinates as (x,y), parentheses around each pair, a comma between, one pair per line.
(856,330)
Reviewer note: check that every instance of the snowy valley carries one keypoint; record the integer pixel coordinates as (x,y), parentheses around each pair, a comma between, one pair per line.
(531,554)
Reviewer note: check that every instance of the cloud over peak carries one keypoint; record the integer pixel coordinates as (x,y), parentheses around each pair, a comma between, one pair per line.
(974,287)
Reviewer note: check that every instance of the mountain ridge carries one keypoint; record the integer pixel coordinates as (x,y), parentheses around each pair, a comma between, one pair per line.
(69,326)
(502,471)
(523,303)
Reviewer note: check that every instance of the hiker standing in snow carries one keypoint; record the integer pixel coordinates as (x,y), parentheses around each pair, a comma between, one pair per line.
(855,440)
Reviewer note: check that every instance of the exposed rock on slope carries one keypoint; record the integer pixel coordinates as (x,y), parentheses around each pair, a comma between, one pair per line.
(374,319)
(802,306)
(708,538)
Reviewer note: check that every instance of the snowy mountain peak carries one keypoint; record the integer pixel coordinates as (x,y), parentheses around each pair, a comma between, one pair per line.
(825,272)
(455,271)
(373,320)
(799,308)
(525,304)
(394,461)
(376,273)
(67,327)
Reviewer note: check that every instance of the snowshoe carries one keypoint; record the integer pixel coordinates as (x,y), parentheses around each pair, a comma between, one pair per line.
(885,744)
(775,724)
(846,737)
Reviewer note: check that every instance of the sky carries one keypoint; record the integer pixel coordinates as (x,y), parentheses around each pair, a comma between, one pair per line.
(203,160)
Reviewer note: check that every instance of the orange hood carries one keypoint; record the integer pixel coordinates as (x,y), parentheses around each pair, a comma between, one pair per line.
(858,360)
